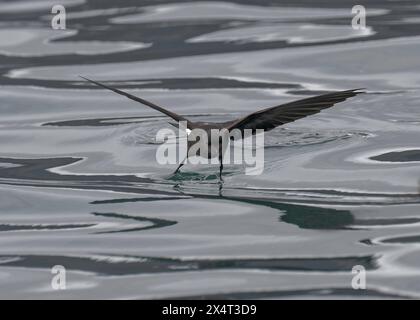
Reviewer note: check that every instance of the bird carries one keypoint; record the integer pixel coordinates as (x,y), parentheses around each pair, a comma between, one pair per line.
(264,119)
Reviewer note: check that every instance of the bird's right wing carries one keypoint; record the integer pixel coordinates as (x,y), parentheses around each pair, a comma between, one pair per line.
(171,114)
(270,118)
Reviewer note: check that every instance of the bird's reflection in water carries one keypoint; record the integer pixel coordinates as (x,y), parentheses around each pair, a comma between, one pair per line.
(303,216)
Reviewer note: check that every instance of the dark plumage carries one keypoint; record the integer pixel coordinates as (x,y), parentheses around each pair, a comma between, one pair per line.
(265,119)
(270,118)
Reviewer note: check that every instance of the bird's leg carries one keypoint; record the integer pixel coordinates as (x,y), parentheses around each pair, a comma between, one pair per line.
(220,159)
(220,177)
(221,168)
(180,165)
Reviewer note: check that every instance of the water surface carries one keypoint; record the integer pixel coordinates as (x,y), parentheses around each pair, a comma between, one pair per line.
(80,186)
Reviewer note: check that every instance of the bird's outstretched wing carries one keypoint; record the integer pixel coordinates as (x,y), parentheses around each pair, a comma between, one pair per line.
(270,118)
(171,114)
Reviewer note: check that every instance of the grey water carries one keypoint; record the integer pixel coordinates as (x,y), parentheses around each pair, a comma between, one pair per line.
(80,186)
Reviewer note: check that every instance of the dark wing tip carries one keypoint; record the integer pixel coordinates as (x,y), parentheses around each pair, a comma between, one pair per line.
(358,90)
(94,82)
(343,95)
